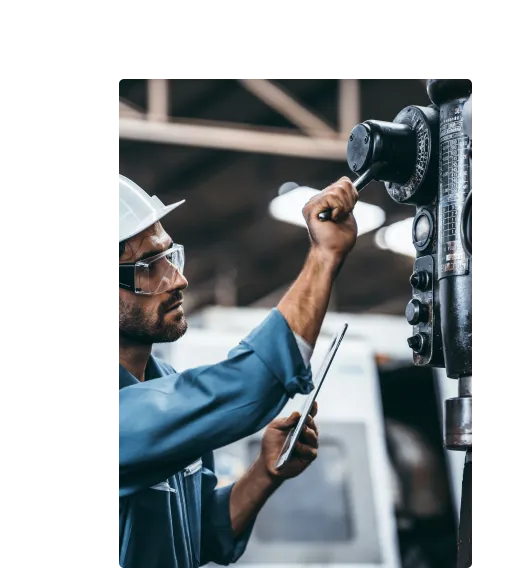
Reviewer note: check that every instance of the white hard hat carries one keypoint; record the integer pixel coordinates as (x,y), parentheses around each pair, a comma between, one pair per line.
(138,211)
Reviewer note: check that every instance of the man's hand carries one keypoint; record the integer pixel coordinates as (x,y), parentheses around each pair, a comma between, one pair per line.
(334,238)
(305,449)
(250,493)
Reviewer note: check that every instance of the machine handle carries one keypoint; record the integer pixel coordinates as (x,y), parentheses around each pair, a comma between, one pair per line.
(362,181)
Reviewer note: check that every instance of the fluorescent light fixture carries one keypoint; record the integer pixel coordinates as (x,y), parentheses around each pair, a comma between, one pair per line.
(288,208)
(397,238)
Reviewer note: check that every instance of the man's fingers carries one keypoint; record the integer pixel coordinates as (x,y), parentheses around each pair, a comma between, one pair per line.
(348,195)
(323,201)
(311,424)
(347,186)
(291,421)
(340,197)
(309,437)
(305,452)
(286,423)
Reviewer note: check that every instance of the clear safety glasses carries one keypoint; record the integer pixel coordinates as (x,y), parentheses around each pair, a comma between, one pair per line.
(153,275)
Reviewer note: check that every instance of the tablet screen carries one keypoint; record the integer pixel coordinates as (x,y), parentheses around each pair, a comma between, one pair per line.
(294,434)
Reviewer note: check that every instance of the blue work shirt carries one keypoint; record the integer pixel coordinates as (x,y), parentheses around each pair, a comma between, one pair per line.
(171,514)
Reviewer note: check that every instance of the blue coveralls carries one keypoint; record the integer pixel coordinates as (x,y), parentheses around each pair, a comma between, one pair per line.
(171,515)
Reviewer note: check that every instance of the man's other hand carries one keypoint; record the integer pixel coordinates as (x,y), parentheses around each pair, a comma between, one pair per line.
(305,449)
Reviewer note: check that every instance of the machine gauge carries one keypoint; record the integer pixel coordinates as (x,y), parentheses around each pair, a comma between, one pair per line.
(417,189)
(422,231)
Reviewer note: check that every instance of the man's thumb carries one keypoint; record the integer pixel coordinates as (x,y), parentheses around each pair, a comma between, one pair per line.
(287,423)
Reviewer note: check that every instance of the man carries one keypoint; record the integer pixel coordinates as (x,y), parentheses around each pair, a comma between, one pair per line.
(171,514)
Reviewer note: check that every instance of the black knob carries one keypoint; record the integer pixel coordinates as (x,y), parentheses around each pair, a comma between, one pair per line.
(391,143)
(416,312)
(418,342)
(359,149)
(420,280)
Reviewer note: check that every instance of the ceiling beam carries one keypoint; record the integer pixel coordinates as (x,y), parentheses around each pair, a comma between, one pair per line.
(157,91)
(349,110)
(278,99)
(238,139)
(129,110)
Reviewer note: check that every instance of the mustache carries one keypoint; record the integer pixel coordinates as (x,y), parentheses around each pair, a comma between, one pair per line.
(175,297)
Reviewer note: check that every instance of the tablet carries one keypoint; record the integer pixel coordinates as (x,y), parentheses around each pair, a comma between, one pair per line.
(294,434)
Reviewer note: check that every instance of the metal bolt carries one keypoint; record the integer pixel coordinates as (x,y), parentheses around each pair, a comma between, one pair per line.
(414,342)
(354,166)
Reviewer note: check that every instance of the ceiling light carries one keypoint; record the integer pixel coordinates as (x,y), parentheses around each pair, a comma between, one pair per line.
(397,238)
(288,208)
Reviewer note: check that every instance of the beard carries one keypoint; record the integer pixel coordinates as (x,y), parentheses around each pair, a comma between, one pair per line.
(147,327)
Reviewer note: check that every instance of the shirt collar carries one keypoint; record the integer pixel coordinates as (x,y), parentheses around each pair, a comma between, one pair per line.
(152,371)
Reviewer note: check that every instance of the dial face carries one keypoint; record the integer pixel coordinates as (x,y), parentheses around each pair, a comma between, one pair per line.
(417,120)
(422,229)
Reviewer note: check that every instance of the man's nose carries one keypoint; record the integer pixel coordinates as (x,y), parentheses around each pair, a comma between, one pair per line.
(180,282)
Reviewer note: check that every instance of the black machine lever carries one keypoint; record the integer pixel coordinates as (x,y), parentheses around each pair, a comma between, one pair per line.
(362,181)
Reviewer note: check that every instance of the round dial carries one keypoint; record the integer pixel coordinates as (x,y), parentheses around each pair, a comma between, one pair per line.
(422,228)
(424,123)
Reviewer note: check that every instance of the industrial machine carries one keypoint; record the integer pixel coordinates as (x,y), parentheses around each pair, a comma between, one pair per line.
(424,158)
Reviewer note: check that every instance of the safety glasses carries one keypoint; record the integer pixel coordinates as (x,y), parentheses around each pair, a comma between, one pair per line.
(153,275)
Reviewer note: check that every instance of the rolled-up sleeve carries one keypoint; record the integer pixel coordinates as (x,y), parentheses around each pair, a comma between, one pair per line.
(218,543)
(167,423)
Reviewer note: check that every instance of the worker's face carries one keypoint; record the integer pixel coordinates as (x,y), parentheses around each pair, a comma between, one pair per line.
(151,319)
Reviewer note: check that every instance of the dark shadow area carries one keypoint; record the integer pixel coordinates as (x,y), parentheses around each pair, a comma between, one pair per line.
(424,508)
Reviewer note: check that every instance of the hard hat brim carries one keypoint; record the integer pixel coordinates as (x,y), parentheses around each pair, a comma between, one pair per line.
(150,220)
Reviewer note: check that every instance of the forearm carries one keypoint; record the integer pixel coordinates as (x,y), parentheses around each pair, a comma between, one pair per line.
(305,304)
(249,494)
